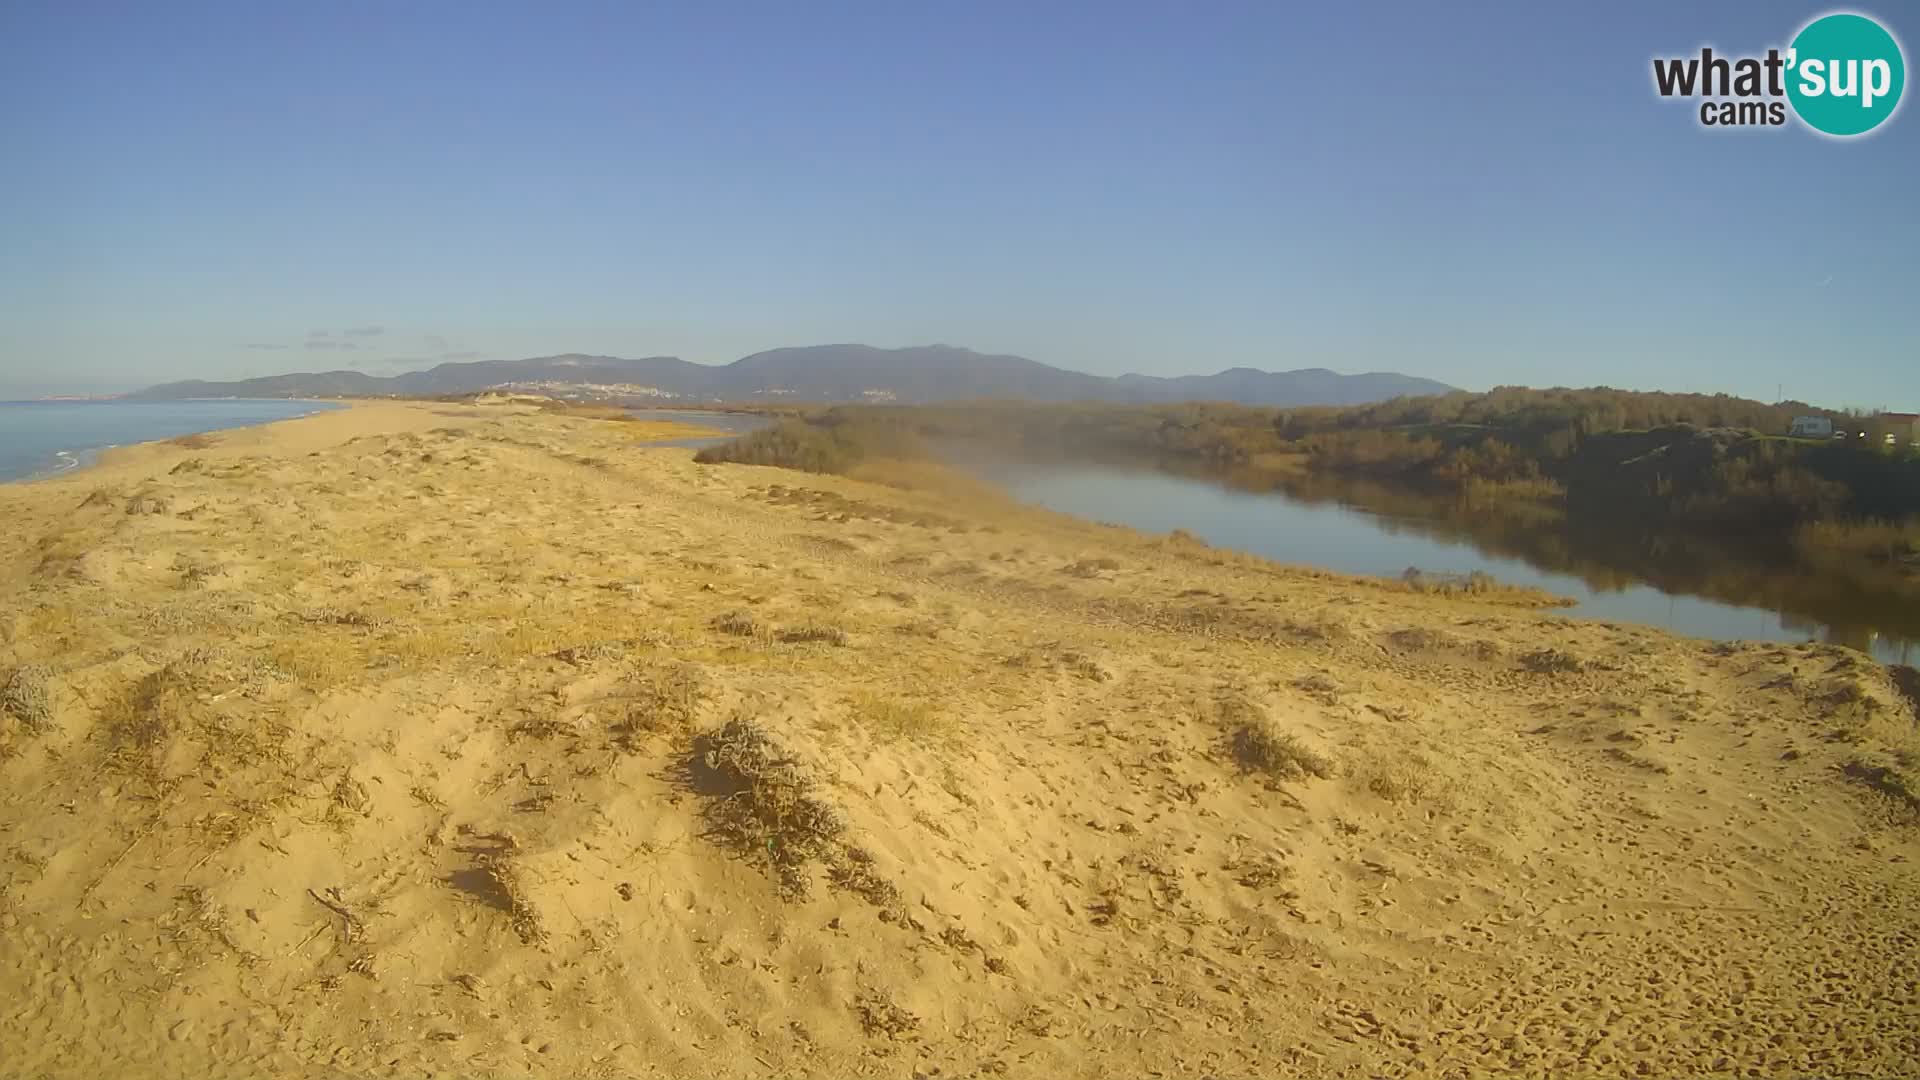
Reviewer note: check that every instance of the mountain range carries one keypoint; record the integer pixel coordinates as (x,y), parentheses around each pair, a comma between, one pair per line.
(821,373)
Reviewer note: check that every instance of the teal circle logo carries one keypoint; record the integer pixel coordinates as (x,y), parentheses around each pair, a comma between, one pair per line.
(1845,74)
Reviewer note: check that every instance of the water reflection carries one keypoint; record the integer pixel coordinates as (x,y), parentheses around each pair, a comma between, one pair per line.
(1856,636)
(1615,569)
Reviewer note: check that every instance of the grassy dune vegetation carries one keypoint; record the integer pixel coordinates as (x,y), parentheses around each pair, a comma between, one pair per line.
(836,443)
(427,739)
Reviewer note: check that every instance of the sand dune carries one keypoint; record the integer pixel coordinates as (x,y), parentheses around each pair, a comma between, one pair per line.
(437,740)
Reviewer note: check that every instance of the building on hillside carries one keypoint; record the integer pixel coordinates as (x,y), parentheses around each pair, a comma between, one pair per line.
(1811,427)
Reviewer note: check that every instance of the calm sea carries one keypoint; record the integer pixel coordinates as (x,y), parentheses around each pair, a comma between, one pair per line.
(38,438)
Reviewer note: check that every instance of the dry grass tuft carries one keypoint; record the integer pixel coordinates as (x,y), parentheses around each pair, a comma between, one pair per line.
(1261,872)
(892,718)
(350,796)
(1321,686)
(1261,746)
(319,659)
(920,628)
(1552,662)
(26,698)
(1069,660)
(1902,786)
(881,1016)
(823,632)
(765,804)
(1408,779)
(1422,639)
(1478,585)
(1864,707)
(591,652)
(661,701)
(509,885)
(1638,761)
(738,622)
(1322,628)
(852,869)
(1084,666)
(831,543)
(1906,681)
(197,918)
(64,554)
(1279,754)
(541,725)
(148,713)
(333,616)
(194,573)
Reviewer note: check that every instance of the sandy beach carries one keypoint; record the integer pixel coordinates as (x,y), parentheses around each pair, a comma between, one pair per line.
(441,740)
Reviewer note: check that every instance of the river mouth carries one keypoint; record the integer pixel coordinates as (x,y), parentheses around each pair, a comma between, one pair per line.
(1684,584)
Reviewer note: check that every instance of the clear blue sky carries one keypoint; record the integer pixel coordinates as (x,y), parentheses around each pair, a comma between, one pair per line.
(1484,194)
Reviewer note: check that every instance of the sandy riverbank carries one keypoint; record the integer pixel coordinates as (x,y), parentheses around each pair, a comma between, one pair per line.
(432,739)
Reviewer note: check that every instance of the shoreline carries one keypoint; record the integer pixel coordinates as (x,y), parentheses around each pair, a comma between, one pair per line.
(88,458)
(219,440)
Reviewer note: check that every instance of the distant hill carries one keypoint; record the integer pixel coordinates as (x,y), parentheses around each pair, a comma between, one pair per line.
(823,373)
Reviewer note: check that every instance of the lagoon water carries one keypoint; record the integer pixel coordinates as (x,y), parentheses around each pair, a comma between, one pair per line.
(1350,539)
(43,437)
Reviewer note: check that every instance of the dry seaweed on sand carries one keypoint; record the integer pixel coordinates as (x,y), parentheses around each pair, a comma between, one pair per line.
(881,1016)
(500,883)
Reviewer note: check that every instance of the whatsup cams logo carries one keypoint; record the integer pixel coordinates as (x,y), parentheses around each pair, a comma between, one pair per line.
(1841,76)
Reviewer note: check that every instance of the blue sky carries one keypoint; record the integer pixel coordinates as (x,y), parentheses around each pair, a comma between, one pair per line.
(1485,194)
